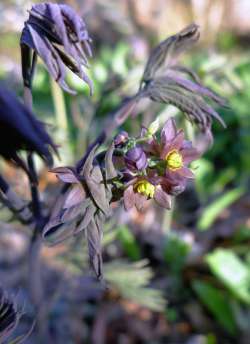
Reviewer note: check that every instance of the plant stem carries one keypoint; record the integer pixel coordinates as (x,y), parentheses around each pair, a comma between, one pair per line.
(167,219)
(114,121)
(35,276)
(189,130)
(59,105)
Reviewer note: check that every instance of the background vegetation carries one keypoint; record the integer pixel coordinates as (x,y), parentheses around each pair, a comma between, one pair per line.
(183,277)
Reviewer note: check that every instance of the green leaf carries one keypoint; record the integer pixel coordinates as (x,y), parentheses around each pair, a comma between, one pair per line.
(232,272)
(242,234)
(212,211)
(129,243)
(216,302)
(176,251)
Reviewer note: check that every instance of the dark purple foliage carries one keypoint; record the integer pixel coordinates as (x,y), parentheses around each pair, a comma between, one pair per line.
(84,205)
(163,81)
(59,36)
(165,53)
(20,130)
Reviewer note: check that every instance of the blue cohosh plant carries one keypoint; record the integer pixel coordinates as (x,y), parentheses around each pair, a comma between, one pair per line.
(141,168)
(154,165)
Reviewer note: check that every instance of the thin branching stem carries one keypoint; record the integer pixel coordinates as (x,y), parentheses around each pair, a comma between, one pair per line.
(114,121)
(36,284)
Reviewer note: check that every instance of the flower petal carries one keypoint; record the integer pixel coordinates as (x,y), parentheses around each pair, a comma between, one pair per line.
(189,154)
(141,164)
(185,172)
(140,201)
(65,174)
(129,198)
(162,198)
(178,140)
(169,131)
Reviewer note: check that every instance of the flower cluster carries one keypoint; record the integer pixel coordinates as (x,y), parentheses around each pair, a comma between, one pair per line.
(156,168)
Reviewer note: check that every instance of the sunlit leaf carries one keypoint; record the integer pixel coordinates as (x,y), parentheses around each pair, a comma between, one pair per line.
(231,271)
(217,303)
(212,211)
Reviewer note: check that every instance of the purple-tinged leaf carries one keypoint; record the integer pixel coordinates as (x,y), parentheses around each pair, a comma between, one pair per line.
(75,196)
(87,216)
(66,174)
(168,50)
(197,88)
(96,188)
(75,211)
(94,245)
(109,166)
(88,165)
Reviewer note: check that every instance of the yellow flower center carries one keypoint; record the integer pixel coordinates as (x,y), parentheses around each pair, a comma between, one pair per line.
(174,160)
(145,188)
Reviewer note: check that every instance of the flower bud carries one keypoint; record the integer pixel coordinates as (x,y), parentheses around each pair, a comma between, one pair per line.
(136,159)
(177,189)
(120,138)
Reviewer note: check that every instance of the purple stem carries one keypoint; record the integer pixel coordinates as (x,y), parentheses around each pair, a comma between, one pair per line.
(35,269)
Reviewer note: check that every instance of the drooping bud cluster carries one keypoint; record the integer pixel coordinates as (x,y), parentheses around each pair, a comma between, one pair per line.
(59,36)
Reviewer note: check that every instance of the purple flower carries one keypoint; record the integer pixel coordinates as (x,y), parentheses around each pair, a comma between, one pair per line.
(141,189)
(136,159)
(59,36)
(175,152)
